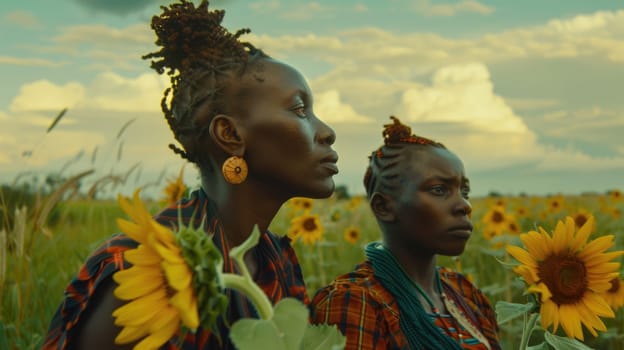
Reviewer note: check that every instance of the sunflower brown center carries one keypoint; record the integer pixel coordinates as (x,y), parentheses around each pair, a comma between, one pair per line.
(309,224)
(565,276)
(498,217)
(353,234)
(580,220)
(615,285)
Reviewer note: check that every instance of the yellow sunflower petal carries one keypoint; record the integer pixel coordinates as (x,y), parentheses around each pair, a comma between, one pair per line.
(560,237)
(132,230)
(549,315)
(570,321)
(536,245)
(591,321)
(529,274)
(179,275)
(602,258)
(522,256)
(598,305)
(163,234)
(186,304)
(142,255)
(158,337)
(604,269)
(582,235)
(171,254)
(167,316)
(133,283)
(596,246)
(140,310)
(130,334)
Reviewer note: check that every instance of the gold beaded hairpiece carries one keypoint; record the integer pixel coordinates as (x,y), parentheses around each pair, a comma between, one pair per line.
(398,132)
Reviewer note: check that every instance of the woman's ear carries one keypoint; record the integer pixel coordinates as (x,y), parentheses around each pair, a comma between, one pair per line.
(383,207)
(225,132)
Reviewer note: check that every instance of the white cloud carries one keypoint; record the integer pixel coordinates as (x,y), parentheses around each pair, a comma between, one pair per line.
(23,19)
(43,95)
(306,11)
(265,6)
(110,91)
(28,61)
(329,107)
(107,91)
(461,94)
(428,8)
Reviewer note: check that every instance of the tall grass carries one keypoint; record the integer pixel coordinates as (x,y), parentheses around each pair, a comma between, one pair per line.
(39,258)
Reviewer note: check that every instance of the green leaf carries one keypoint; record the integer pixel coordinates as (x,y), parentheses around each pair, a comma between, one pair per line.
(506,311)
(563,343)
(323,337)
(542,346)
(284,331)
(248,334)
(291,318)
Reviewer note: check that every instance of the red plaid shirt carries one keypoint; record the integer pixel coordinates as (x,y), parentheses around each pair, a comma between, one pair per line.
(279,275)
(368,315)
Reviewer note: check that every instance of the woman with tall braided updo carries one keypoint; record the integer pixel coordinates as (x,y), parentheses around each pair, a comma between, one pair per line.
(246,121)
(398,298)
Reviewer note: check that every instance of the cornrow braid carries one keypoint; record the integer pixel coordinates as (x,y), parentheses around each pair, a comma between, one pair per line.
(199,55)
(383,172)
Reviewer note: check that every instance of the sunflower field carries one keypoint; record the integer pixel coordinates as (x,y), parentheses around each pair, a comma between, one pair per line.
(45,237)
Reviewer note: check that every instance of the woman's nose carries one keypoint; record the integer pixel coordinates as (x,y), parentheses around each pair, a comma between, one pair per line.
(324,133)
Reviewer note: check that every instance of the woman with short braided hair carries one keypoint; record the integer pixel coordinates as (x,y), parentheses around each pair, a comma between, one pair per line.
(246,121)
(398,298)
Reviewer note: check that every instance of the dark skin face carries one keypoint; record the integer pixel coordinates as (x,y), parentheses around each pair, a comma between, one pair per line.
(431,213)
(287,147)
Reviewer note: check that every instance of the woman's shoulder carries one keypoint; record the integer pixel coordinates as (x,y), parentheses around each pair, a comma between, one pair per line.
(360,283)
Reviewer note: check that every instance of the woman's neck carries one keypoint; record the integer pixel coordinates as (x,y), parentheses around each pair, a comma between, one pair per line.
(420,268)
(240,208)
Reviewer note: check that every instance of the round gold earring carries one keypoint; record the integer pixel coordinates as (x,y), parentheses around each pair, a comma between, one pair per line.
(234,170)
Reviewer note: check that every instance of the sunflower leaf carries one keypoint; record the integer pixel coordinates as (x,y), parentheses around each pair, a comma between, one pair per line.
(542,346)
(288,329)
(323,337)
(563,343)
(506,311)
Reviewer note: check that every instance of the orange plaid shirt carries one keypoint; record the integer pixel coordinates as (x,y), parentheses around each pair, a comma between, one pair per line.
(368,315)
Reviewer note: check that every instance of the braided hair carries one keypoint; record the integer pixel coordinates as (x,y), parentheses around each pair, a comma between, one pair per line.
(200,56)
(383,172)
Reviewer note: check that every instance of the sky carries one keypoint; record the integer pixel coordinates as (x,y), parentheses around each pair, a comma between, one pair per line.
(529,94)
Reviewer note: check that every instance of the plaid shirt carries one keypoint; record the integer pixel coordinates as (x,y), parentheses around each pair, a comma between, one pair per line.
(279,275)
(368,315)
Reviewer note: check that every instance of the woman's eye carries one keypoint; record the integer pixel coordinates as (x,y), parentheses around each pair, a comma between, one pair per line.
(300,111)
(466,192)
(438,190)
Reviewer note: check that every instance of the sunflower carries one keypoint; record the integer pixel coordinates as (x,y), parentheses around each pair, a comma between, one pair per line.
(307,227)
(615,295)
(570,274)
(175,189)
(495,221)
(580,217)
(616,196)
(159,286)
(302,203)
(355,202)
(352,234)
(555,204)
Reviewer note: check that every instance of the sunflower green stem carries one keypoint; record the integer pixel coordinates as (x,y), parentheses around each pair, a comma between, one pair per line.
(246,286)
(527,330)
(244,283)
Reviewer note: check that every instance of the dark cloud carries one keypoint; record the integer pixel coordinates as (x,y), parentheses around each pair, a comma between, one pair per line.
(125,7)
